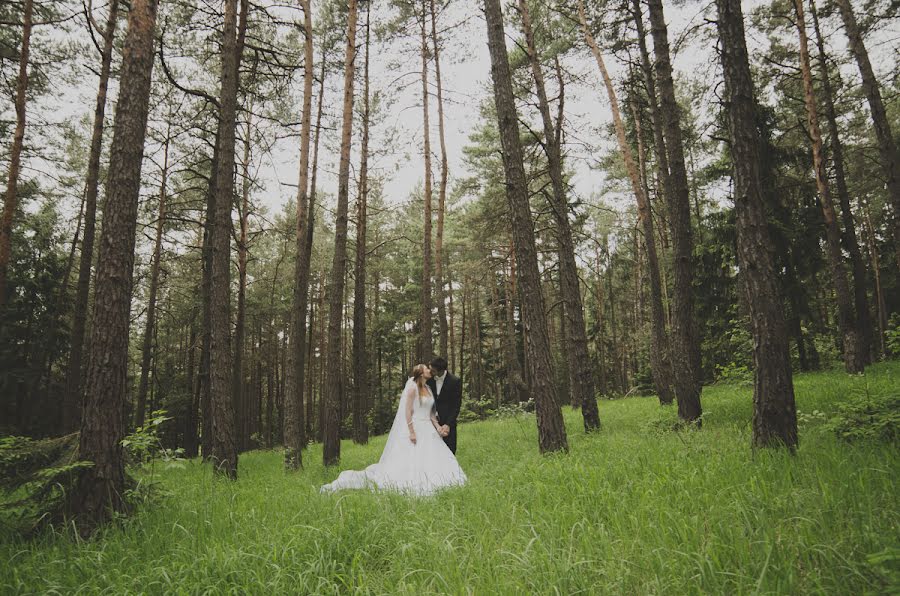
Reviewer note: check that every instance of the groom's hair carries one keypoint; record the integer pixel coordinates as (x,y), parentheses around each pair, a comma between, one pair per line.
(439,363)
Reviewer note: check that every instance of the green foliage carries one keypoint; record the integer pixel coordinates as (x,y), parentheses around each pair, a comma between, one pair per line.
(868,417)
(35,476)
(625,512)
(734,374)
(892,339)
(144,446)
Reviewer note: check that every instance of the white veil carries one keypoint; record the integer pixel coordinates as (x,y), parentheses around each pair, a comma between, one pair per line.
(399,431)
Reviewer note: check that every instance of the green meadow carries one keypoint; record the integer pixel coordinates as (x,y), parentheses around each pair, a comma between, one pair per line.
(635,509)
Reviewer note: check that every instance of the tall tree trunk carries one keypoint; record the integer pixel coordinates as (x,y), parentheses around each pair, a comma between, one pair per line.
(74,369)
(876,272)
(685,344)
(442,192)
(659,351)
(295,430)
(774,413)
(858,269)
(426,343)
(100,488)
(581,376)
(224,448)
(854,360)
(193,383)
(147,346)
(239,396)
(360,353)
(551,429)
(331,448)
(887,147)
(206,299)
(11,199)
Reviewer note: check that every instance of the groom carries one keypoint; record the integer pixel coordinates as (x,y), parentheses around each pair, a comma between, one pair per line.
(447,390)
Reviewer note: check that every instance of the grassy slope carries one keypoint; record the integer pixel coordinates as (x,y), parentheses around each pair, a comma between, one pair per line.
(629,510)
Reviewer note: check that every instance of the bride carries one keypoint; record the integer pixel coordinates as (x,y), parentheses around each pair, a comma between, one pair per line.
(415,459)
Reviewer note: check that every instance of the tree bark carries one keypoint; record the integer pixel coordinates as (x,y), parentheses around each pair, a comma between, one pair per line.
(331,448)
(11,199)
(887,147)
(360,352)
(74,368)
(659,351)
(442,193)
(774,412)
(147,347)
(239,396)
(580,372)
(224,448)
(854,360)
(685,344)
(100,489)
(551,429)
(295,425)
(858,269)
(426,343)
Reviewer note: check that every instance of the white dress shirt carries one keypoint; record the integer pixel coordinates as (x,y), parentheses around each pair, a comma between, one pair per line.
(439,382)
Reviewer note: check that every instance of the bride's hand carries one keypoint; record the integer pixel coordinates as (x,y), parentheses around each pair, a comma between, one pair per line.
(412,437)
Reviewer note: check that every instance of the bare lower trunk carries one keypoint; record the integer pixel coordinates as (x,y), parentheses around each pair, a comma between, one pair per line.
(685,343)
(659,352)
(551,429)
(774,412)
(239,395)
(333,390)
(74,369)
(100,489)
(854,360)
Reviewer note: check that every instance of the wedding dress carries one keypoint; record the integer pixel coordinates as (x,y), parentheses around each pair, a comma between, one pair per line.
(419,468)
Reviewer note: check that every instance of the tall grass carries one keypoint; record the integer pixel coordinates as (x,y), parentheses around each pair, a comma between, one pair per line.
(634,509)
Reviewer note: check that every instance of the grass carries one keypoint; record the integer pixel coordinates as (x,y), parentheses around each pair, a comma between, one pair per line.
(631,510)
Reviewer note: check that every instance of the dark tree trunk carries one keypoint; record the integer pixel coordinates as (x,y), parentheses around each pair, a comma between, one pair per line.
(854,352)
(851,244)
(774,413)
(147,346)
(580,373)
(685,343)
(442,192)
(333,390)
(74,369)
(295,429)
(426,343)
(11,199)
(360,352)
(224,448)
(206,298)
(239,395)
(100,489)
(551,429)
(659,351)
(887,147)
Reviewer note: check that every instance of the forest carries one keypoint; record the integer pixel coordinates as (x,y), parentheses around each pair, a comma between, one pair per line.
(231,228)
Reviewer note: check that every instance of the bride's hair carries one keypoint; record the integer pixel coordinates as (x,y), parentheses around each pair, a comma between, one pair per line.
(418,375)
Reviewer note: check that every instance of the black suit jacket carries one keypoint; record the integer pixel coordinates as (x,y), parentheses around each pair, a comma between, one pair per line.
(449,401)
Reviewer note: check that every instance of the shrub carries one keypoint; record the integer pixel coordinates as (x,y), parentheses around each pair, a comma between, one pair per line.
(868,418)
(734,374)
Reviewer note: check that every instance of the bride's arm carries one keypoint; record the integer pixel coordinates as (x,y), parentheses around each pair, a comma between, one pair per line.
(410,396)
(434,420)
